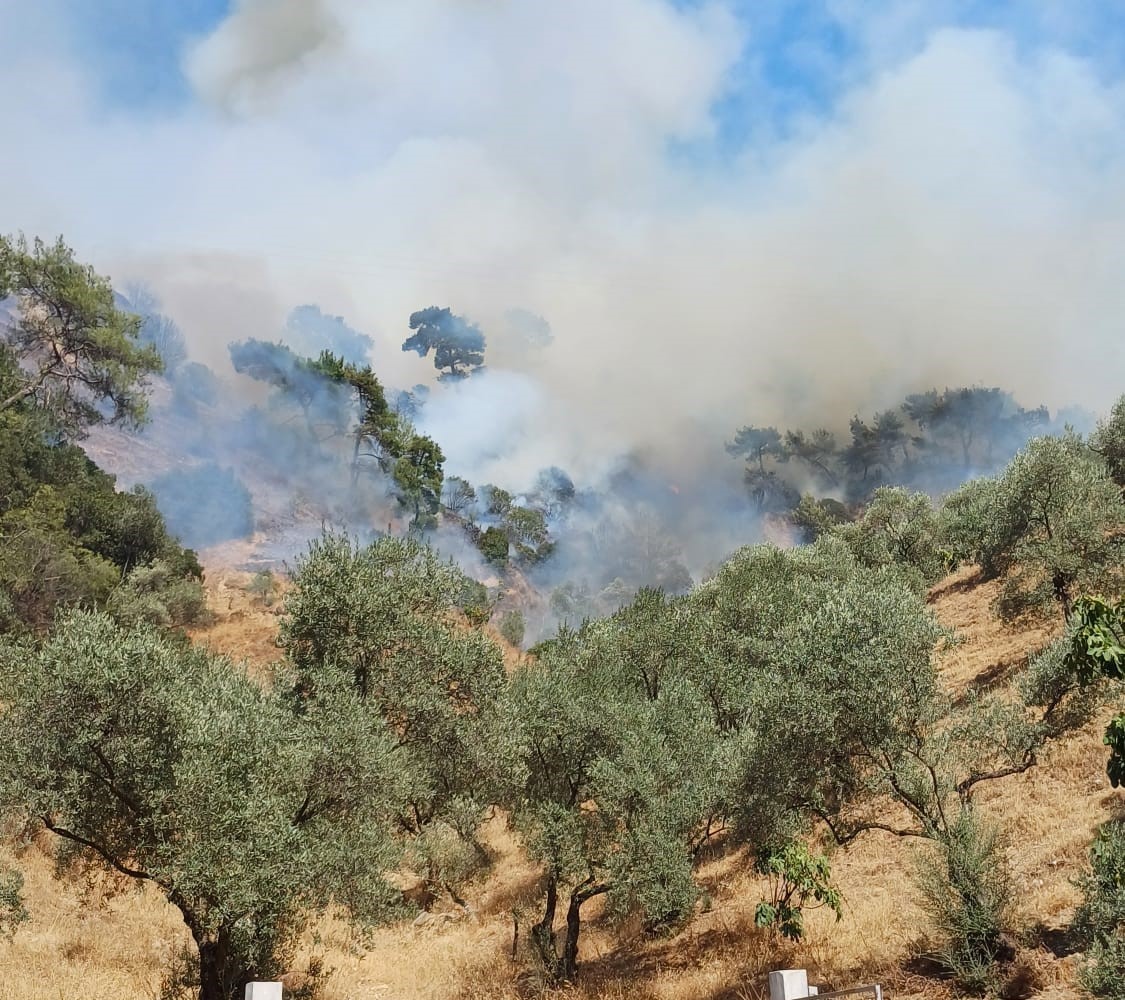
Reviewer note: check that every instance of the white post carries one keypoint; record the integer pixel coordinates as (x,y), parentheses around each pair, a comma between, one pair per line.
(263,991)
(790,984)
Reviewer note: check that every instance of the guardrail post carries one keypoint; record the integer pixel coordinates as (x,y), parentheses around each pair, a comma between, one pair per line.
(263,991)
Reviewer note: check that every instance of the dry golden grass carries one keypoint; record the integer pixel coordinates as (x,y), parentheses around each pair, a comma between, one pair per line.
(242,626)
(95,944)
(117,947)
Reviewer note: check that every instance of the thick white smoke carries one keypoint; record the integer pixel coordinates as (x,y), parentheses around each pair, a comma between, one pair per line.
(957,217)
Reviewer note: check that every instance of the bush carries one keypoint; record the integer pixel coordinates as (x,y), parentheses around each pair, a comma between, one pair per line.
(493,545)
(970,528)
(1100,920)
(966,888)
(156,595)
(263,587)
(474,601)
(1053,522)
(799,881)
(512,627)
(816,517)
(898,529)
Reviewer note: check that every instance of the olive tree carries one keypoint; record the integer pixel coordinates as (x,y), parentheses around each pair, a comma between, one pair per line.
(1100,920)
(384,621)
(605,786)
(1053,522)
(898,528)
(166,765)
(1109,441)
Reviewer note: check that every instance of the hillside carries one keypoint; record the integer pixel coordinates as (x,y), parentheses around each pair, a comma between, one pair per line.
(109,944)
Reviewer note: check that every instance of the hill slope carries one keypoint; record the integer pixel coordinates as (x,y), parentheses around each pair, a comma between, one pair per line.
(106,944)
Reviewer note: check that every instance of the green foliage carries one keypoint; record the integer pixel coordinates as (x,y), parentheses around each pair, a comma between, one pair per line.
(817,517)
(12,911)
(783,628)
(1097,649)
(42,565)
(799,881)
(1098,639)
(263,586)
(457,344)
(512,627)
(155,594)
(412,460)
(1109,442)
(81,355)
(1053,522)
(493,544)
(973,527)
(966,887)
(898,529)
(1100,920)
(66,535)
(417,475)
(603,787)
(617,720)
(379,620)
(168,765)
(526,528)
(475,601)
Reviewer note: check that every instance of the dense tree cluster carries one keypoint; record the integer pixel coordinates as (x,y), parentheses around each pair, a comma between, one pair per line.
(930,442)
(68,359)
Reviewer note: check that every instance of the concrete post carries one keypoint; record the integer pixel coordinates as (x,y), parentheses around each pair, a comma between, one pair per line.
(263,991)
(790,984)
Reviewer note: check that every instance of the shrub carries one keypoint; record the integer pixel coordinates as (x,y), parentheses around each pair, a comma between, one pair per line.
(512,627)
(966,888)
(1109,442)
(898,529)
(799,881)
(493,544)
(1100,920)
(155,595)
(263,587)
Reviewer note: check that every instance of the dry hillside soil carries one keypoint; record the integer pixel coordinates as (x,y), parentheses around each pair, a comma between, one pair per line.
(102,943)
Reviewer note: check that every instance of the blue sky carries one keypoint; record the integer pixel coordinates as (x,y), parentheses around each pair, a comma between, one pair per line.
(133,48)
(798,60)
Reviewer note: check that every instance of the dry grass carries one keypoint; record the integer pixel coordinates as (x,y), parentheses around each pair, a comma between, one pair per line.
(117,947)
(242,626)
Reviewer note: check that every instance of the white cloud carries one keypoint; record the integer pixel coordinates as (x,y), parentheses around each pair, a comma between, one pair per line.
(959,219)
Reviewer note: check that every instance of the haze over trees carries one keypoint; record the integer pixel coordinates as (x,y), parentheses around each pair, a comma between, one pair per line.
(457,344)
(72,352)
(654,728)
(932,442)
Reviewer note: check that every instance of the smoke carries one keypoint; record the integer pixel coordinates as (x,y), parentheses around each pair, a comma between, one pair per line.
(943,207)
